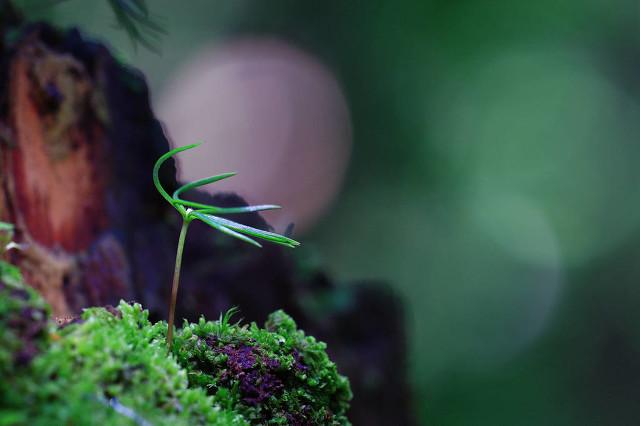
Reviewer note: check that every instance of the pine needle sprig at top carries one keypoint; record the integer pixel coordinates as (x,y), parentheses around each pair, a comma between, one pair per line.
(133,16)
(208,214)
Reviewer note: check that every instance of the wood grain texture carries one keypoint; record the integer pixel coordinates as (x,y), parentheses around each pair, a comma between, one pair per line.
(54,177)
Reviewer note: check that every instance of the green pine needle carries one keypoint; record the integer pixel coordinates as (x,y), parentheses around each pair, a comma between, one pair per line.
(200,182)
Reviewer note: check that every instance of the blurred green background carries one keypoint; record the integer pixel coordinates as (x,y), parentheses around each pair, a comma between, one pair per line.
(492,181)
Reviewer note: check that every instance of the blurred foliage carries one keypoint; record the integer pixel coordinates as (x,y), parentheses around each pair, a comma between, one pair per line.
(499,141)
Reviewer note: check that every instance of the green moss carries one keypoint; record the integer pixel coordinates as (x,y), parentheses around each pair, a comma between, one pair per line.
(116,361)
(275,375)
(112,367)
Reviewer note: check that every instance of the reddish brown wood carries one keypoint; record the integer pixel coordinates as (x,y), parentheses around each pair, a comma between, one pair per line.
(54,178)
(55,170)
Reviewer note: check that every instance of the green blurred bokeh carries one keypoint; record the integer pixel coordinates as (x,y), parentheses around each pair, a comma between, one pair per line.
(493,183)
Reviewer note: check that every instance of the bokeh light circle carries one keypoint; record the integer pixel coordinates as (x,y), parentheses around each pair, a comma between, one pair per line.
(271,113)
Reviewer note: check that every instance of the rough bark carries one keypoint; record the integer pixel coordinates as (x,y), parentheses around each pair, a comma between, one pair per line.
(77,143)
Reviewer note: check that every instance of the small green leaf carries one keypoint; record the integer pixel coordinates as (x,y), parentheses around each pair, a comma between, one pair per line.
(244,209)
(236,210)
(201,182)
(10,274)
(156,172)
(212,221)
(208,209)
(248,230)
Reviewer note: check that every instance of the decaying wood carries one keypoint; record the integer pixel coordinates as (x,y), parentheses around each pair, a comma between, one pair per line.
(55,174)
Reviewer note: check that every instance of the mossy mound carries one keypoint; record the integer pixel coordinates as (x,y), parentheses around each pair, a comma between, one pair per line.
(114,364)
(109,368)
(273,376)
(112,367)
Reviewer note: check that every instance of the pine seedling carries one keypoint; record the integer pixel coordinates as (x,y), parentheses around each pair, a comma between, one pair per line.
(208,214)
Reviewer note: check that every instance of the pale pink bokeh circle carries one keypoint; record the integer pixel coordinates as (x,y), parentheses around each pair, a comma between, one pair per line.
(271,113)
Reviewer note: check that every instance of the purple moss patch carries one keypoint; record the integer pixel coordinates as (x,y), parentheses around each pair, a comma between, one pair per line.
(275,375)
(257,375)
